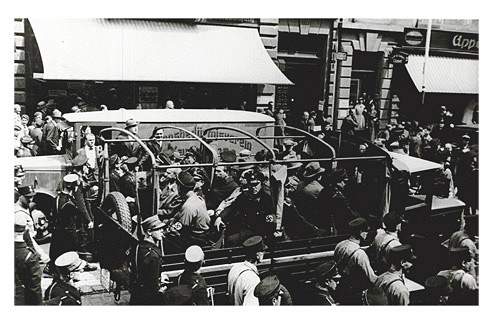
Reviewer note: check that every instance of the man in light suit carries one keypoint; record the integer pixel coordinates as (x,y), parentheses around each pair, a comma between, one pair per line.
(94,154)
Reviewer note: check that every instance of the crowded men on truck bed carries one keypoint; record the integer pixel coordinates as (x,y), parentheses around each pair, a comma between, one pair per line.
(237,209)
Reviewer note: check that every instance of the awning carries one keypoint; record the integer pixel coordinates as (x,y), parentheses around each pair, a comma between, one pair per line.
(144,50)
(412,164)
(445,74)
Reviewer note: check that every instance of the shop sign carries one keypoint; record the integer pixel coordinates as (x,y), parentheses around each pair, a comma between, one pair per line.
(57,93)
(445,40)
(148,94)
(75,85)
(341,56)
(398,58)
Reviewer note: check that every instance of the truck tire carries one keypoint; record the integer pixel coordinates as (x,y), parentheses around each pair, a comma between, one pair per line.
(117,207)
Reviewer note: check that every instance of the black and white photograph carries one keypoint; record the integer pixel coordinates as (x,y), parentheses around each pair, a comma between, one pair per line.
(267,161)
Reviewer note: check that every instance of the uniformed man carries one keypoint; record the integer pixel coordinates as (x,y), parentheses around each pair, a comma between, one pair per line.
(244,277)
(194,258)
(193,214)
(146,265)
(306,195)
(64,237)
(62,290)
(353,264)
(251,213)
(324,287)
(465,238)
(332,198)
(270,292)
(27,269)
(387,239)
(464,287)
(392,281)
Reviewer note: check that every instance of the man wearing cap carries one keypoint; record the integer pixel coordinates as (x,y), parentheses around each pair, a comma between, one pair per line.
(244,277)
(26,148)
(85,190)
(307,192)
(324,287)
(387,239)
(27,270)
(146,265)
(270,292)
(36,131)
(116,172)
(333,199)
(22,208)
(65,236)
(131,148)
(222,187)
(194,258)
(51,137)
(392,281)
(464,286)
(43,108)
(193,214)
(251,213)
(353,264)
(62,290)
(464,239)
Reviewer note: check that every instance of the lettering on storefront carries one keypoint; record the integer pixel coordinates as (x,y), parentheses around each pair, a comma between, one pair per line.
(442,40)
(460,41)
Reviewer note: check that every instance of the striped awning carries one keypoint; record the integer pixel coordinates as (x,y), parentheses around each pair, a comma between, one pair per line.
(445,74)
(149,50)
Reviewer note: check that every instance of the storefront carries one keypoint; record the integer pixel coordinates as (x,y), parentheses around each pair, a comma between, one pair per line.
(143,63)
(303,53)
(450,78)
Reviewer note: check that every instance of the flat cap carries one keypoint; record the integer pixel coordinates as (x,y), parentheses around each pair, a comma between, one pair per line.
(254,244)
(70,262)
(326,269)
(245,153)
(114,159)
(152,223)
(194,254)
(186,180)
(392,219)
(358,224)
(401,252)
(26,140)
(267,287)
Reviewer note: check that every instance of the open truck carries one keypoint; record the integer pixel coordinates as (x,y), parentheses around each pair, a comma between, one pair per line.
(297,247)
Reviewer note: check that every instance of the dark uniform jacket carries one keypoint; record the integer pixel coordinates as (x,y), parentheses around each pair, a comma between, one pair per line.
(65,236)
(198,284)
(339,208)
(27,275)
(51,137)
(220,191)
(248,212)
(115,180)
(128,185)
(62,293)
(146,274)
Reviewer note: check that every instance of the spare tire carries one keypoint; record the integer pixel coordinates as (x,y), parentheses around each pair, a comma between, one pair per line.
(117,207)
